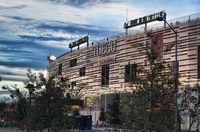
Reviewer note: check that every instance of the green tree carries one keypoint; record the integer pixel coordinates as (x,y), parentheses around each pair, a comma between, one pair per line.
(49,102)
(190,105)
(21,104)
(50,109)
(114,111)
(102,116)
(53,104)
(150,107)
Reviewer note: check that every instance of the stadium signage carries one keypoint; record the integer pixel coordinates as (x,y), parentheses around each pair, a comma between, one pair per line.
(109,60)
(145,19)
(78,42)
(105,48)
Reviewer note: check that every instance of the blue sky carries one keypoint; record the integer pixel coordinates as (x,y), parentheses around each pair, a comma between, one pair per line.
(30,28)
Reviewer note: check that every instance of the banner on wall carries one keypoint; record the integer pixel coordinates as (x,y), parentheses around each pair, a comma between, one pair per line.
(157,45)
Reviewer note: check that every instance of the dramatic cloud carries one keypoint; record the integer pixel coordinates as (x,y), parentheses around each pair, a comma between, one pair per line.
(12,7)
(83,3)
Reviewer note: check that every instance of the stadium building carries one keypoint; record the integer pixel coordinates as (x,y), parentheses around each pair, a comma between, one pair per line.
(109,65)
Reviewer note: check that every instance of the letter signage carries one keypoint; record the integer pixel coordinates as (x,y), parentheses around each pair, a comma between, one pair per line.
(105,48)
(78,42)
(145,19)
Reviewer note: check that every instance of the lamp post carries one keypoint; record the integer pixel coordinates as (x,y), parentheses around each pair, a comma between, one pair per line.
(176,75)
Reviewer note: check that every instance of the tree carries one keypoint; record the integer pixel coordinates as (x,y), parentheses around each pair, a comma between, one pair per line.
(3,106)
(102,116)
(150,107)
(21,104)
(114,111)
(50,109)
(53,103)
(48,105)
(190,105)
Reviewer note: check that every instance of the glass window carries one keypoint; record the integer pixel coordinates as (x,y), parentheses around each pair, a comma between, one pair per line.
(198,62)
(73,62)
(60,69)
(73,85)
(105,75)
(130,72)
(82,71)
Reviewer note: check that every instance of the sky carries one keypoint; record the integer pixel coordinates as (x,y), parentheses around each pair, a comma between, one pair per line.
(31,29)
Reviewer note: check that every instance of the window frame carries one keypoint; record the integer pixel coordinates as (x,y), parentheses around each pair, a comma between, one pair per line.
(60,69)
(198,62)
(105,77)
(73,62)
(73,85)
(130,73)
(82,71)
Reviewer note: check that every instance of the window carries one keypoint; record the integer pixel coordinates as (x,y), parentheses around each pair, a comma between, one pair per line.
(198,70)
(60,69)
(73,85)
(130,72)
(82,71)
(105,75)
(73,62)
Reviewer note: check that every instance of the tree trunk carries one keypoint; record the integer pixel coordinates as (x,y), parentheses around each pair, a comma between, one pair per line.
(190,126)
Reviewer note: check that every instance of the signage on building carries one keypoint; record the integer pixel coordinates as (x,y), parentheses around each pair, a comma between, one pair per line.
(105,48)
(78,42)
(109,60)
(156,43)
(145,19)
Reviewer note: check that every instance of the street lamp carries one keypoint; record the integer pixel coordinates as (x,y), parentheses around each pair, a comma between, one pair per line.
(176,75)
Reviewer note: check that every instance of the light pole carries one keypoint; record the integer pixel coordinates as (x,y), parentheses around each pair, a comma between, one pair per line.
(176,113)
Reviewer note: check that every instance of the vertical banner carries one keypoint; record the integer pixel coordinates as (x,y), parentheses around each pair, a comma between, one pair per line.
(173,68)
(157,45)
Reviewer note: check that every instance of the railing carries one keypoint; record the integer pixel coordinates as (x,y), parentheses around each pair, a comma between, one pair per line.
(140,29)
(172,22)
(159,25)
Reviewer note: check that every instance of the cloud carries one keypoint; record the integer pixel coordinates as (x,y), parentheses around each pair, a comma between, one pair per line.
(44,38)
(16,74)
(19,84)
(7,49)
(29,46)
(13,78)
(81,29)
(20,18)
(12,7)
(24,63)
(26,54)
(83,3)
(57,31)
(4,92)
(8,72)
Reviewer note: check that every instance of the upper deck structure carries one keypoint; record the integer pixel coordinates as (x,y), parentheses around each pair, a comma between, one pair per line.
(110,65)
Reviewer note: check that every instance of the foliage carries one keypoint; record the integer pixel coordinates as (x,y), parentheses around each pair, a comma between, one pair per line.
(114,111)
(48,105)
(49,110)
(76,112)
(150,107)
(102,116)
(2,107)
(21,104)
(190,104)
